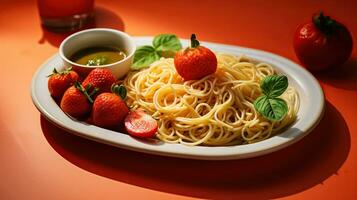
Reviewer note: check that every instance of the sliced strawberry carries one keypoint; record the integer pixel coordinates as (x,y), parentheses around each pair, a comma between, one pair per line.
(140,124)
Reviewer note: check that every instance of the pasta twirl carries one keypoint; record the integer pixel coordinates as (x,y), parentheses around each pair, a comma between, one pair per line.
(216,110)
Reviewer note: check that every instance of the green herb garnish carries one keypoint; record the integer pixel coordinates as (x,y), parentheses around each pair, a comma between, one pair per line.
(99,60)
(163,45)
(144,56)
(269,104)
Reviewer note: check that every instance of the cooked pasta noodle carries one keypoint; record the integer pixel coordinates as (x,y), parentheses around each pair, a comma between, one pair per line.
(216,110)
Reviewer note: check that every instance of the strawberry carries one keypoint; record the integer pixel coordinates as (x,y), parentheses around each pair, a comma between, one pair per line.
(109,109)
(82,71)
(140,124)
(195,62)
(76,101)
(59,82)
(100,78)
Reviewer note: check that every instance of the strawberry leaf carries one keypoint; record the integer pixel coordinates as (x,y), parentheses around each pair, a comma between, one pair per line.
(66,71)
(119,90)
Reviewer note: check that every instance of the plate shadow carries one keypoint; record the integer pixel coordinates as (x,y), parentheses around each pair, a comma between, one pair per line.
(104,18)
(291,170)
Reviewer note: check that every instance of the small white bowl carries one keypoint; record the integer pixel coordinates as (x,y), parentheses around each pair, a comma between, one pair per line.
(99,37)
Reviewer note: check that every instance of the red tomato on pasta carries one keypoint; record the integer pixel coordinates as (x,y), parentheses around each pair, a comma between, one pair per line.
(195,62)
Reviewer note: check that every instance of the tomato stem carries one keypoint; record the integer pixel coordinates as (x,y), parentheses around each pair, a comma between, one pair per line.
(325,24)
(194,42)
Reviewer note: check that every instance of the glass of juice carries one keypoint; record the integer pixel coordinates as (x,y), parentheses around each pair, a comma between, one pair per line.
(65,15)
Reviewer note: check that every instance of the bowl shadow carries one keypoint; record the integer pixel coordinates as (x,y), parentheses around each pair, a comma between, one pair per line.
(344,76)
(104,18)
(291,170)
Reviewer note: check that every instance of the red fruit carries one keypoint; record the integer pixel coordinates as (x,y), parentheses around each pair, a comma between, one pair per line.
(109,110)
(140,124)
(195,62)
(82,71)
(59,82)
(100,78)
(76,102)
(322,43)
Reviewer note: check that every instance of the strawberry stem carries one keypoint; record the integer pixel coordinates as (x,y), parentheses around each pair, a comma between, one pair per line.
(94,91)
(66,71)
(119,90)
(85,90)
(89,86)
(194,42)
(54,71)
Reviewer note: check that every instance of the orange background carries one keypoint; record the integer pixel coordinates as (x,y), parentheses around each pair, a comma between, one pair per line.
(40,161)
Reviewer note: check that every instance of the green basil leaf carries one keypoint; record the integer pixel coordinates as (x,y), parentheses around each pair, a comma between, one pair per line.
(273,109)
(144,56)
(274,85)
(166,44)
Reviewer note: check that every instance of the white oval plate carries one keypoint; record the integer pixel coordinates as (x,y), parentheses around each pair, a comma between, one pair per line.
(310,112)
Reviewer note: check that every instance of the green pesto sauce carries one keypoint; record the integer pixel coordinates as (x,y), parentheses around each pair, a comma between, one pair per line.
(95,56)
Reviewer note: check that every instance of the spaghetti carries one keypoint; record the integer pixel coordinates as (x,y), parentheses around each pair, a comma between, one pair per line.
(216,110)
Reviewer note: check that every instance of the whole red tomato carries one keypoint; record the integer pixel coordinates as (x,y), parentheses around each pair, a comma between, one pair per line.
(322,43)
(195,62)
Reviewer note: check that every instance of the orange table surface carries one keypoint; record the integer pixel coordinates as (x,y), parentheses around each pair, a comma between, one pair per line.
(40,161)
